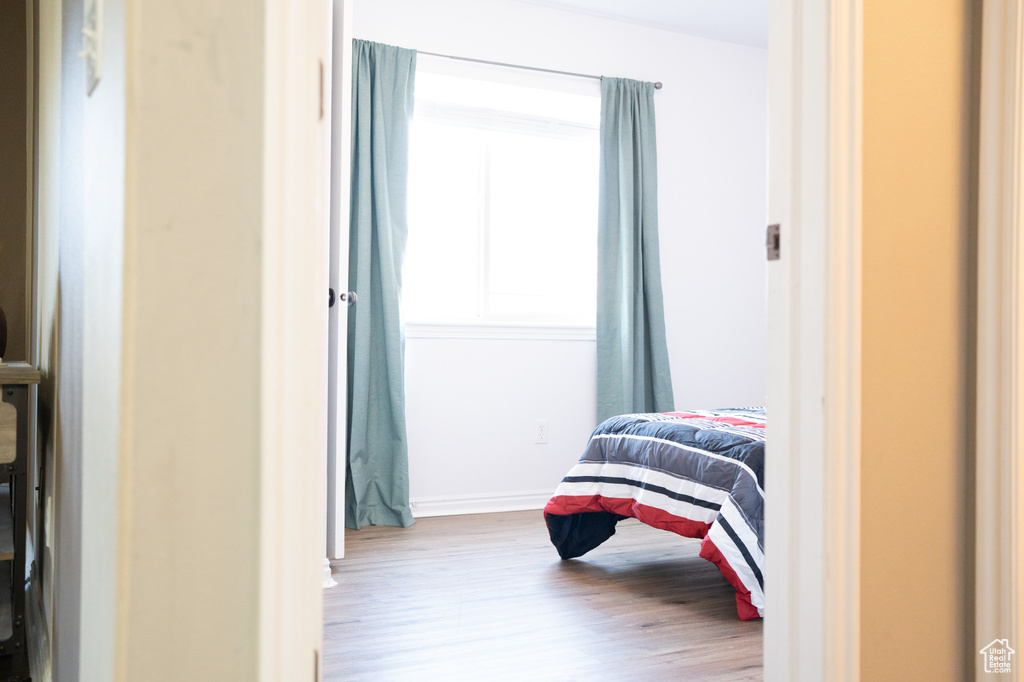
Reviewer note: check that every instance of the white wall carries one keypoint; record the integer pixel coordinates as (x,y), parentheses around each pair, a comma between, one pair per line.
(191,371)
(103,253)
(472,410)
(472,404)
(62,381)
(80,222)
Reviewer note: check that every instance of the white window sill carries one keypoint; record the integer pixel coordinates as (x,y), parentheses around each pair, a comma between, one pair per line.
(504,330)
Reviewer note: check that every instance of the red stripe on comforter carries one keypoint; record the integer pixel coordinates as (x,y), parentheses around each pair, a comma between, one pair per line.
(731,421)
(745,609)
(564,505)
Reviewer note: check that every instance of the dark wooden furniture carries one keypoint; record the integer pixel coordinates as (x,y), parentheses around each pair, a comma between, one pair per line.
(15,380)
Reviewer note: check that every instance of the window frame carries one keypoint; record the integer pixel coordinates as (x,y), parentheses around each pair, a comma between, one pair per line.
(489,324)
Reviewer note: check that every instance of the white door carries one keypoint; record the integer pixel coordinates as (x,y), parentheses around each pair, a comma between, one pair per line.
(341,144)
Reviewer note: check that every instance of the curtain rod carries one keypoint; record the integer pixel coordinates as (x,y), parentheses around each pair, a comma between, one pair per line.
(657,86)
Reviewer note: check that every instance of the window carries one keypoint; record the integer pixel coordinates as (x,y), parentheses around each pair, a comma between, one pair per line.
(503,186)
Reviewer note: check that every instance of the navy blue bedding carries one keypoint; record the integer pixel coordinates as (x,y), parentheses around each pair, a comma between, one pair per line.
(699,474)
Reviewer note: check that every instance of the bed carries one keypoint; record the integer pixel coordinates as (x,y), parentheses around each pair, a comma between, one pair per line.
(699,474)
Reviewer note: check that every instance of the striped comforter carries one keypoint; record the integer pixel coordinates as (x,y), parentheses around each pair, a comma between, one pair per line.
(698,474)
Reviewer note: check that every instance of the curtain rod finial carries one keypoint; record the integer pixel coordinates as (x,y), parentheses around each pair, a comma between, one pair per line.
(657,86)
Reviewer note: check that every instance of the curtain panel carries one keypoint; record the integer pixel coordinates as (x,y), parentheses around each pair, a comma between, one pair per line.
(377,476)
(632,351)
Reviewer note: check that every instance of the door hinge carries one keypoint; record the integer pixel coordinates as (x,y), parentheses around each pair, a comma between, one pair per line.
(772,242)
(321,63)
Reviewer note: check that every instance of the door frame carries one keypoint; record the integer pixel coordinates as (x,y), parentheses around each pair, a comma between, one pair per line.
(999,465)
(812,624)
(812,516)
(293,429)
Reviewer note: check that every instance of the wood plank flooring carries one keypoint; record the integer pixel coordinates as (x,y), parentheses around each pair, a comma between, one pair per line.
(486,597)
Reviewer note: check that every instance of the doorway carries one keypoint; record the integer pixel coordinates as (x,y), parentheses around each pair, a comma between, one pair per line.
(689,245)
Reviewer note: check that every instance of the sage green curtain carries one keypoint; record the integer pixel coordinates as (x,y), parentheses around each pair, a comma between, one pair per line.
(632,351)
(377,476)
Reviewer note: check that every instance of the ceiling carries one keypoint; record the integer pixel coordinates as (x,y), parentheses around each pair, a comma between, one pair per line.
(735,21)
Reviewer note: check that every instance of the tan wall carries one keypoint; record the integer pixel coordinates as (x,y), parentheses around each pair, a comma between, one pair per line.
(14,176)
(49,167)
(47,273)
(915,370)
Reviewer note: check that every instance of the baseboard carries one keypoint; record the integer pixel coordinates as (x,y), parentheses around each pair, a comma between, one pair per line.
(453,505)
(328,578)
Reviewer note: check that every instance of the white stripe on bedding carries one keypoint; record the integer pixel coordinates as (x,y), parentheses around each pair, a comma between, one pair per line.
(739,524)
(738,563)
(646,496)
(712,455)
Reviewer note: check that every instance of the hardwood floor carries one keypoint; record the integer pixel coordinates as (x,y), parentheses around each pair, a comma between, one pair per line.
(485,597)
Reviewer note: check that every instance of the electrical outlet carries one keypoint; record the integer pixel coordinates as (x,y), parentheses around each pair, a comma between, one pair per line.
(541,432)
